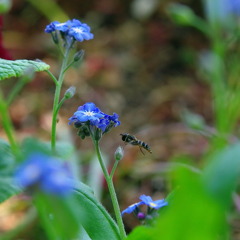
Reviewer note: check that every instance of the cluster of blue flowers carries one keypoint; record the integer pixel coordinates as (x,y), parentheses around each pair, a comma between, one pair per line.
(46,173)
(145,200)
(91,121)
(73,29)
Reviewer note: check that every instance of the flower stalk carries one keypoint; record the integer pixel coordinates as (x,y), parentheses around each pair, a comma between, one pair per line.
(111,191)
(56,99)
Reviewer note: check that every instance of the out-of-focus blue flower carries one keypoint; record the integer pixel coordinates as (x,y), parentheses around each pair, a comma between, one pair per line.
(131,208)
(44,172)
(147,200)
(87,112)
(233,6)
(71,28)
(223,12)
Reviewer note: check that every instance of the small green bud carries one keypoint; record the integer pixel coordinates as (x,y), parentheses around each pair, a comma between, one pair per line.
(78,56)
(119,153)
(70,92)
(97,134)
(82,130)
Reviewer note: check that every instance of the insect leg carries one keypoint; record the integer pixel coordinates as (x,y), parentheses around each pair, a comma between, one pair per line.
(141,150)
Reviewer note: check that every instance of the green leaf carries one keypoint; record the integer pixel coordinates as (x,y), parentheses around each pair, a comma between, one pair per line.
(58,216)
(143,232)
(7,186)
(96,221)
(7,159)
(222,174)
(17,68)
(80,209)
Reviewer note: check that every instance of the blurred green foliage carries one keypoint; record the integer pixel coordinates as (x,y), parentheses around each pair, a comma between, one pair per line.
(150,70)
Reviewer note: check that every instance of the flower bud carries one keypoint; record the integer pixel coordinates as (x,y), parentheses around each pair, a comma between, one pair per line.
(83,131)
(70,92)
(141,216)
(78,55)
(119,153)
(97,134)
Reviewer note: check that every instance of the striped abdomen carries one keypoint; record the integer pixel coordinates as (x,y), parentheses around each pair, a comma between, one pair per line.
(141,144)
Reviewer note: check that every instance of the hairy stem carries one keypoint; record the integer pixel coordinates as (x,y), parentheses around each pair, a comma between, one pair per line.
(56,99)
(111,191)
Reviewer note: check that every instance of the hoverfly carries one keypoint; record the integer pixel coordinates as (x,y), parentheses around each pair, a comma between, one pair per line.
(126,137)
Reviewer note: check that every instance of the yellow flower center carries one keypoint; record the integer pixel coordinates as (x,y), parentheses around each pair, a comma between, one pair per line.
(152,205)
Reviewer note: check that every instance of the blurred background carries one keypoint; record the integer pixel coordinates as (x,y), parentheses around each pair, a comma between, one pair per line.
(140,65)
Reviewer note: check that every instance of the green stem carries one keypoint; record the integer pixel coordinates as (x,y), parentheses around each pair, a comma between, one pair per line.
(114,169)
(61,103)
(52,77)
(111,191)
(56,99)
(68,66)
(8,126)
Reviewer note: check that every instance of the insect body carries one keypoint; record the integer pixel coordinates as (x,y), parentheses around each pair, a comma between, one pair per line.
(134,141)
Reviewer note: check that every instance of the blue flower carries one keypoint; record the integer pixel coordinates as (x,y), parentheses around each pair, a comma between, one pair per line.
(81,33)
(54,26)
(44,172)
(87,112)
(103,124)
(114,119)
(131,208)
(147,200)
(91,121)
(51,27)
(71,28)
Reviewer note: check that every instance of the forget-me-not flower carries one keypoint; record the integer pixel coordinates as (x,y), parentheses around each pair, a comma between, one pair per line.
(131,208)
(72,28)
(45,173)
(145,200)
(87,112)
(90,120)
